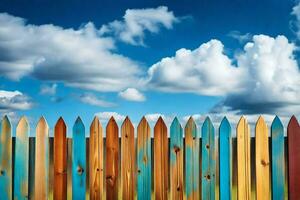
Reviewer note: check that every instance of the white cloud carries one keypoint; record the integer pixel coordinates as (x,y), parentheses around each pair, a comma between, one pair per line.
(137,22)
(48,89)
(14,100)
(77,57)
(242,38)
(105,116)
(153,117)
(132,94)
(91,99)
(296,23)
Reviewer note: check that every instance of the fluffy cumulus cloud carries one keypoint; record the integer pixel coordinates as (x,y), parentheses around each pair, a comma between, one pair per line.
(14,100)
(132,94)
(296,23)
(138,21)
(93,100)
(76,57)
(105,116)
(48,89)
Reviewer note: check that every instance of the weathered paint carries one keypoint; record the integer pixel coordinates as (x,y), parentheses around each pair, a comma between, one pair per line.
(143,160)
(78,161)
(243,160)
(278,164)
(5,158)
(225,159)
(96,160)
(293,133)
(176,160)
(21,167)
(262,160)
(41,160)
(112,159)
(192,161)
(60,161)
(161,178)
(127,160)
(208,160)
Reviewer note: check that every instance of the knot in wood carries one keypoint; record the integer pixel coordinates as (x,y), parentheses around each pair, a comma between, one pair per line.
(80,170)
(176,149)
(264,163)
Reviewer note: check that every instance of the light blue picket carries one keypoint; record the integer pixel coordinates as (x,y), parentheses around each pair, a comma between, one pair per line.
(225,158)
(5,159)
(278,164)
(192,161)
(208,160)
(78,161)
(176,160)
(21,166)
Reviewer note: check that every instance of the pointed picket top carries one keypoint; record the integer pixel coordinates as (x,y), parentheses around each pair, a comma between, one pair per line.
(41,125)
(23,127)
(78,123)
(60,123)
(192,126)
(175,124)
(6,121)
(190,122)
(293,122)
(160,123)
(225,124)
(207,121)
(42,121)
(242,121)
(276,123)
(260,120)
(127,122)
(143,122)
(111,121)
(96,122)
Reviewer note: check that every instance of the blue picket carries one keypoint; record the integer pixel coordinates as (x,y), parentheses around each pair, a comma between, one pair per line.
(225,158)
(278,165)
(208,160)
(78,161)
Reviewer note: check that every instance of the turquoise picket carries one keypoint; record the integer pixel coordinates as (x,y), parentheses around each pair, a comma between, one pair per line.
(6,158)
(278,164)
(225,158)
(78,161)
(208,160)
(21,166)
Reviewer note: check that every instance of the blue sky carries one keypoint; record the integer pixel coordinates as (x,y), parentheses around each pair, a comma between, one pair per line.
(149,58)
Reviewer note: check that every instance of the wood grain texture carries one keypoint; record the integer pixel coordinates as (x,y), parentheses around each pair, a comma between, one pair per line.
(78,161)
(208,160)
(96,160)
(112,159)
(41,160)
(144,175)
(127,160)
(176,160)
(21,167)
(293,133)
(60,161)
(262,160)
(243,160)
(161,177)
(225,160)
(192,161)
(278,159)
(6,158)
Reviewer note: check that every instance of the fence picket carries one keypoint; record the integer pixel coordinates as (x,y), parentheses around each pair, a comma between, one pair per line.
(278,165)
(192,161)
(96,160)
(208,160)
(112,159)
(60,160)
(78,160)
(41,160)
(21,167)
(293,133)
(6,158)
(225,157)
(243,160)
(161,178)
(144,160)
(176,160)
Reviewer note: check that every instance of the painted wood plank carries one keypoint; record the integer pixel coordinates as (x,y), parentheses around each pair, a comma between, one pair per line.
(21,167)
(161,179)
(262,160)
(6,159)
(41,160)
(225,160)
(96,160)
(127,160)
(293,133)
(78,160)
(176,160)
(192,161)
(278,157)
(243,160)
(60,160)
(144,160)
(112,159)
(208,160)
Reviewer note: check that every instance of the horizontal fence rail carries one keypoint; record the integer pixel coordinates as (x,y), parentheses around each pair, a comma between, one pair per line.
(194,163)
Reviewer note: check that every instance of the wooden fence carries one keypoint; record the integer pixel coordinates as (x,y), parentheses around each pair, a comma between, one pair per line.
(183,166)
